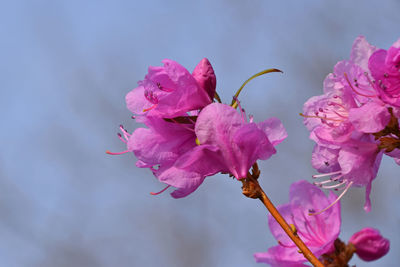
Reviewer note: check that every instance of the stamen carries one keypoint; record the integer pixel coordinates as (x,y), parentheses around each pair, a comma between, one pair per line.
(334,202)
(154,194)
(325,174)
(251,118)
(355,91)
(333,186)
(319,117)
(126,134)
(150,108)
(242,112)
(162,88)
(117,153)
(120,138)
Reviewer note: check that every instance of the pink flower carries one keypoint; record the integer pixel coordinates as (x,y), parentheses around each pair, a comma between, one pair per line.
(318,232)
(240,143)
(344,152)
(228,144)
(171,91)
(370,244)
(385,69)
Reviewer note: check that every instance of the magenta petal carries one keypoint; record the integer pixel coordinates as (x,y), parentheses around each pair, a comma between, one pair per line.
(205,77)
(249,143)
(279,256)
(241,143)
(372,117)
(215,122)
(325,159)
(136,102)
(276,229)
(361,51)
(163,142)
(376,64)
(274,129)
(190,170)
(358,162)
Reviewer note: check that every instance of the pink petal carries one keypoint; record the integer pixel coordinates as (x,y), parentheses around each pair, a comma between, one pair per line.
(279,256)
(361,51)
(372,117)
(190,170)
(276,229)
(215,122)
(274,129)
(205,77)
(325,159)
(136,102)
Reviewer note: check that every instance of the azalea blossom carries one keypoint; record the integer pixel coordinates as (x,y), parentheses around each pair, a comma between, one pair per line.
(183,151)
(171,91)
(342,121)
(318,232)
(370,244)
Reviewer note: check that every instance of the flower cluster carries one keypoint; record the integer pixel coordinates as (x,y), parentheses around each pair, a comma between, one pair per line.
(356,120)
(188,136)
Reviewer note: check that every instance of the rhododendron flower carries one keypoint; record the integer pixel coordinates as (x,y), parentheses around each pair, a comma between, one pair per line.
(370,244)
(171,91)
(318,232)
(343,152)
(342,121)
(385,69)
(228,144)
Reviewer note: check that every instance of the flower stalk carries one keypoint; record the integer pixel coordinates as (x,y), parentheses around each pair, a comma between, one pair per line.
(252,189)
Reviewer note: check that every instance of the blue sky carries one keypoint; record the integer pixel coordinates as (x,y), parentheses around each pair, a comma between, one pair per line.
(66,67)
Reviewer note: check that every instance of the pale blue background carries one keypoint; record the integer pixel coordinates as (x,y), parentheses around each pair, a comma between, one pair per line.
(64,71)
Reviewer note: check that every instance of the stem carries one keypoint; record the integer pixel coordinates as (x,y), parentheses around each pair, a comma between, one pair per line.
(252,189)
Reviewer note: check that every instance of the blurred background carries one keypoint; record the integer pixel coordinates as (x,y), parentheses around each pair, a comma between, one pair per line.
(66,67)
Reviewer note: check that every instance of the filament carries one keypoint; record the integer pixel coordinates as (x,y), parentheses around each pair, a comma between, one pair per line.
(334,202)
(154,194)
(325,174)
(117,153)
(355,91)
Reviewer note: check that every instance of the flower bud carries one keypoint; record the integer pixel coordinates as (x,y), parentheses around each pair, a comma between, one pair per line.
(370,245)
(205,77)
